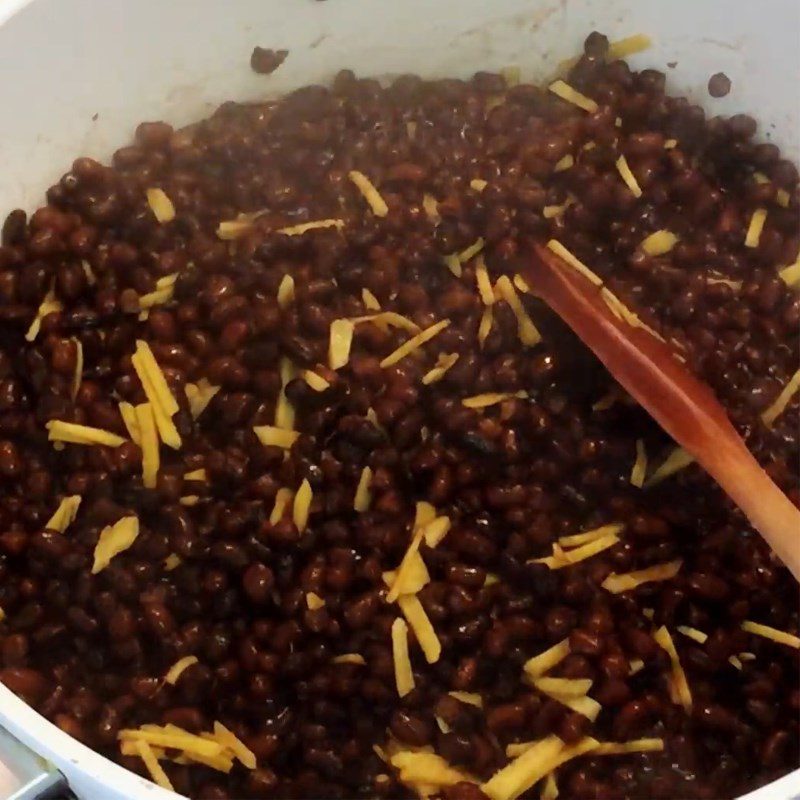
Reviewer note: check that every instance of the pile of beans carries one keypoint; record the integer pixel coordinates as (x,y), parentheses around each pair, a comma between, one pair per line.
(90,651)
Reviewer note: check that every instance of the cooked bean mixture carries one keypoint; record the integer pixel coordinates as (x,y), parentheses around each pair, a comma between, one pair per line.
(307,495)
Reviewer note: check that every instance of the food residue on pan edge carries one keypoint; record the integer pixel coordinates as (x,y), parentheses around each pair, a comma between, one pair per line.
(719,84)
(266,60)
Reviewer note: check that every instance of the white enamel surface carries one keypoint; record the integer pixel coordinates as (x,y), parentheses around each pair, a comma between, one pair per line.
(77,75)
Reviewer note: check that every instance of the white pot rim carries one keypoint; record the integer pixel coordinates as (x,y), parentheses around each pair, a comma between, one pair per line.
(88,772)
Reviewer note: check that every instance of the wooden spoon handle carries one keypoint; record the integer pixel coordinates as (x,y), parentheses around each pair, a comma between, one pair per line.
(682,405)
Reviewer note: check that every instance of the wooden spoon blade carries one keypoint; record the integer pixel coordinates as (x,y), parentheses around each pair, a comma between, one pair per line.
(682,405)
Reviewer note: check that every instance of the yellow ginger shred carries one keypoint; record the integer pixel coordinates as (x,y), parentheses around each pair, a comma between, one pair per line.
(627,581)
(453,264)
(777,408)
(564,163)
(431,208)
(624,314)
(161,206)
(692,633)
(550,788)
(565,558)
(679,686)
(677,460)
(485,325)
(483,281)
(60,431)
(271,436)
(605,402)
(423,514)
(114,539)
(564,687)
(369,300)
(563,90)
(639,466)
(172,561)
(91,279)
(550,212)
(735,285)
(221,763)
(670,144)
(341,340)
(196,475)
(403,674)
(747,656)
(478,184)
(531,766)
(526,330)
(775,635)
(370,193)
(145,752)
(470,698)
(491,399)
(576,539)
(241,752)
(659,243)
(414,343)
(286,292)
(282,499)
(148,441)
(189,500)
(440,368)
(470,252)
(586,706)
(65,514)
(628,176)
(576,264)
(304,227)
(521,284)
(630,45)
(783,198)
(407,570)
(199,395)
(421,625)
(416,576)
(631,746)
(178,668)
(314,602)
(172,737)
(349,658)
(159,297)
(435,530)
(538,665)
(158,393)
(363,496)
(756,226)
(384,318)
(422,769)
(316,381)
(518,748)
(302,505)
(50,305)
(234,228)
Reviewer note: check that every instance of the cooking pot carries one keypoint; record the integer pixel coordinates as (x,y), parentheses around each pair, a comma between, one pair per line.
(78,75)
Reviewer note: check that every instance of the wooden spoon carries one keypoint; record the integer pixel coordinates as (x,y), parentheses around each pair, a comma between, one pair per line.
(682,405)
